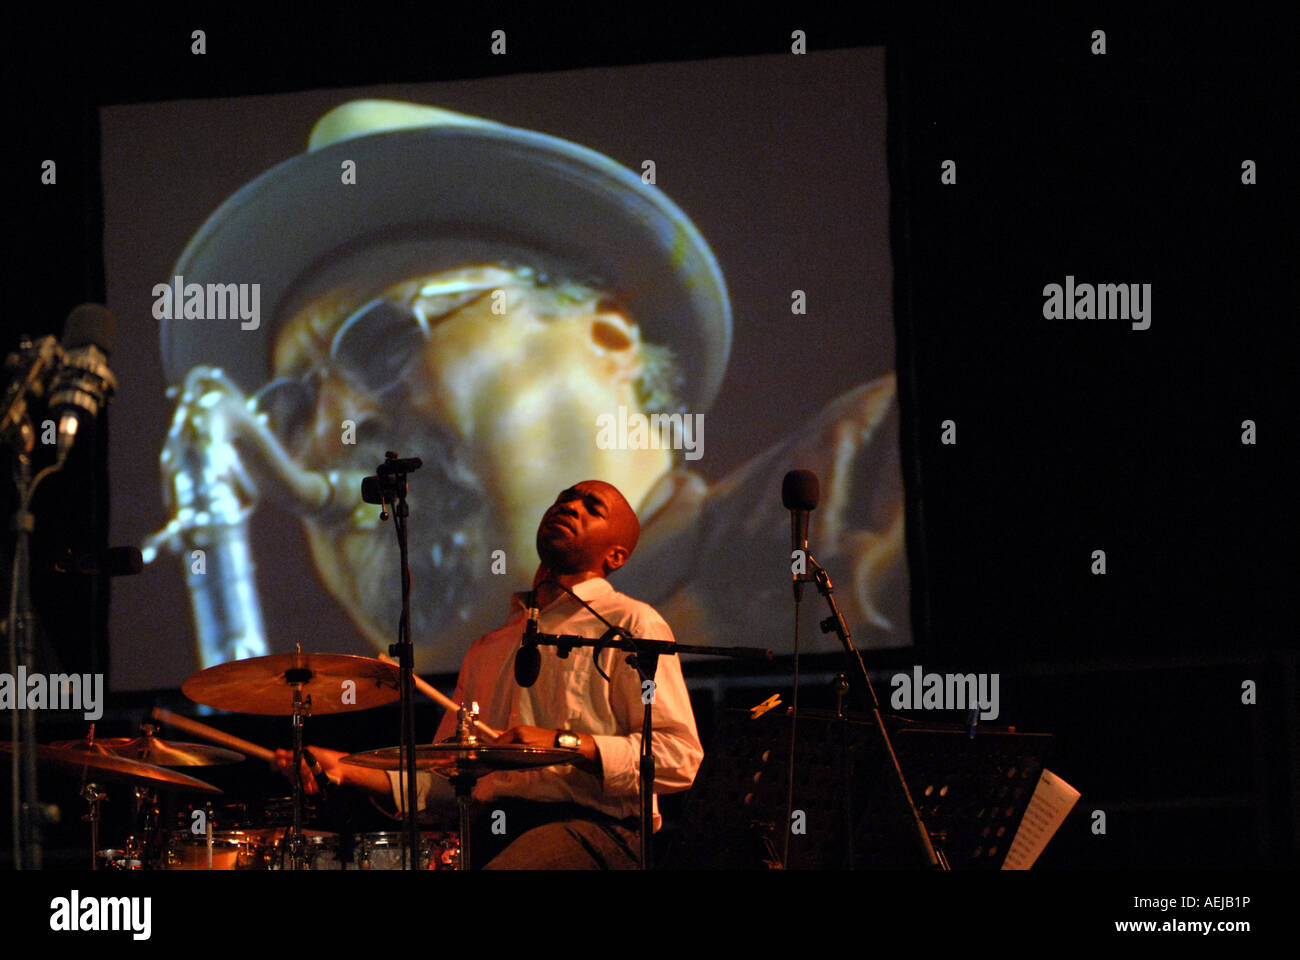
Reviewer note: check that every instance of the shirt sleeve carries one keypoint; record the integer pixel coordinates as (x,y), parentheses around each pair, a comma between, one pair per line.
(423,786)
(675,744)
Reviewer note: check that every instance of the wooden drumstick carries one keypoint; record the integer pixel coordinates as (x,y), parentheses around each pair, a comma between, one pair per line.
(439,698)
(212,734)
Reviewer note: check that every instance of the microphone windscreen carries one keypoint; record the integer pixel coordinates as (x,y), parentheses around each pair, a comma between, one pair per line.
(528,665)
(90,325)
(800,490)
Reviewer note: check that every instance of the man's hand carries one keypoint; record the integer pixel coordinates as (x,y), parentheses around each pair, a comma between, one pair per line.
(542,737)
(376,781)
(529,736)
(283,764)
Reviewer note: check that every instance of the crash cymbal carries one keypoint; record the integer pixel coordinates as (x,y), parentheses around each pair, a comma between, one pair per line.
(451,758)
(335,682)
(108,767)
(150,749)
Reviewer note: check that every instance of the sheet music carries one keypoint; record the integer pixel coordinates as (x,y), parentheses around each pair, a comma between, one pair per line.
(1052,800)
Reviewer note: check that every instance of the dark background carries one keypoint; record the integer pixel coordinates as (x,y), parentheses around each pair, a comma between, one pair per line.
(1073,435)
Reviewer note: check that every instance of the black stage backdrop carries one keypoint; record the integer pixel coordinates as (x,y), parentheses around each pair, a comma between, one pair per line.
(1169,679)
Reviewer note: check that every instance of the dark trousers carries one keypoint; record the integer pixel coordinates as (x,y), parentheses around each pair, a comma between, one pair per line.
(510,834)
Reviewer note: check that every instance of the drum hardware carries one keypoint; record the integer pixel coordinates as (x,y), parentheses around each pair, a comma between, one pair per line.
(86,755)
(462,761)
(382,850)
(129,858)
(151,749)
(320,682)
(93,796)
(118,769)
(216,850)
(157,752)
(335,682)
(450,757)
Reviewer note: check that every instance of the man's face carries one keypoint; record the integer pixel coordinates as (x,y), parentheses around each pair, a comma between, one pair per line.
(589,528)
(499,392)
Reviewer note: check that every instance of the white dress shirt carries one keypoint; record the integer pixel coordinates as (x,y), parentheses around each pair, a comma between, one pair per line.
(570,695)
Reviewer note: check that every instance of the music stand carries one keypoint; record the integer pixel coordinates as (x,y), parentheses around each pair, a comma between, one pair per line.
(735,812)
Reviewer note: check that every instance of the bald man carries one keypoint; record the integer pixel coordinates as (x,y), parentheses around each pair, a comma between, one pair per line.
(584,815)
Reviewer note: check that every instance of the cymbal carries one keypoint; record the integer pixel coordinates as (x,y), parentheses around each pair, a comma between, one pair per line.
(108,767)
(451,758)
(336,683)
(151,749)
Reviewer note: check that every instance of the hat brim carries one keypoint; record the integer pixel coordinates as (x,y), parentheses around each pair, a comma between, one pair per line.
(427,199)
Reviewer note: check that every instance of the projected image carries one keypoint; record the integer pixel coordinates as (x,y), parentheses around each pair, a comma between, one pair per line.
(521,312)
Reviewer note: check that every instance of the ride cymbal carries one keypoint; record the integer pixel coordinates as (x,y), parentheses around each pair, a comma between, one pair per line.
(336,683)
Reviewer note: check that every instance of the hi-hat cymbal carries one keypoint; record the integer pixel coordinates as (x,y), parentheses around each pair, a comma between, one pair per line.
(454,758)
(335,682)
(109,767)
(151,749)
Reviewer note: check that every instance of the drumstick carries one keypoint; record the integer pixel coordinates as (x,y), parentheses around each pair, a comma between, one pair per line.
(212,733)
(437,696)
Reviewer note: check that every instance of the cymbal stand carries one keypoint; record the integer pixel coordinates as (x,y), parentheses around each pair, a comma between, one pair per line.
(93,796)
(464,781)
(301,711)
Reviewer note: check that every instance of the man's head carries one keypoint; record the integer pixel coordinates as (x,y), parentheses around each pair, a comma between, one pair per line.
(590,529)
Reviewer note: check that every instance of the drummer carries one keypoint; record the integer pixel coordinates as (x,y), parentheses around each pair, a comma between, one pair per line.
(584,815)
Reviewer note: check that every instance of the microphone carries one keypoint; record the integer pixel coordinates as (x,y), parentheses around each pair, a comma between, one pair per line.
(223,588)
(389,481)
(219,459)
(528,660)
(372,491)
(799,493)
(84,382)
(210,533)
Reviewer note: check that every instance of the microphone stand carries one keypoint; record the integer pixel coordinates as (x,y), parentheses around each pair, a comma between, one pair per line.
(835,622)
(16,432)
(392,489)
(643,656)
(28,812)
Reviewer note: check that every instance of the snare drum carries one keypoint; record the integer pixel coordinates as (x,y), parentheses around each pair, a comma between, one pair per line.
(224,850)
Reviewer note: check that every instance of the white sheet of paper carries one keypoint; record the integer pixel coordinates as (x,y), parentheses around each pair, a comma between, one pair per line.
(1052,801)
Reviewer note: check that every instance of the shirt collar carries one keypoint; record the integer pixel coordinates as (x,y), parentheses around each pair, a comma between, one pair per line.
(588,590)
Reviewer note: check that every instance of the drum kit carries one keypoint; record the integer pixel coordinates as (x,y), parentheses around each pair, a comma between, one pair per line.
(271,835)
